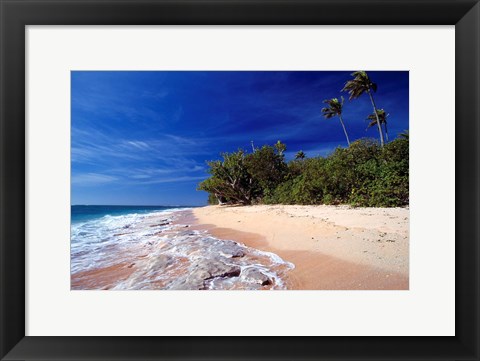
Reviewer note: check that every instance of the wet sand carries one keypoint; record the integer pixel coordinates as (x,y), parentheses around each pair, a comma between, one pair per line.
(166,252)
(332,247)
(101,278)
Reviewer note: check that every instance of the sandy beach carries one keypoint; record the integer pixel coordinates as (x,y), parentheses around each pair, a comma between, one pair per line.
(332,247)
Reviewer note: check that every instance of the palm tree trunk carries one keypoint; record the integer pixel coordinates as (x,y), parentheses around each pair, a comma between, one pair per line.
(376,116)
(344,130)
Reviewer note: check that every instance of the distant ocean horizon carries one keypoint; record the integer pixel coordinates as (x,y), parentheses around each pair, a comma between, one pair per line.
(83,213)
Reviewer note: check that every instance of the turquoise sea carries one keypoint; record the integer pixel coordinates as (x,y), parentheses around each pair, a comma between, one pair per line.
(83,213)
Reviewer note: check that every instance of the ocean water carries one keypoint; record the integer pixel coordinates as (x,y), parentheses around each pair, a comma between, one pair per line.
(81,213)
(150,248)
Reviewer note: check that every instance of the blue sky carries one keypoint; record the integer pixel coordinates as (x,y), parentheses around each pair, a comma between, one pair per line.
(143,138)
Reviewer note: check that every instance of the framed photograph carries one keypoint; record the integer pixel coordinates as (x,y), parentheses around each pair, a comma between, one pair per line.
(239,180)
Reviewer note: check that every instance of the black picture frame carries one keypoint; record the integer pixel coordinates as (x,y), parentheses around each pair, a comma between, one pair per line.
(16,14)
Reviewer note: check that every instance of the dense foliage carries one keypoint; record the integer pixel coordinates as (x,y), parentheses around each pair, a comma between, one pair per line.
(364,174)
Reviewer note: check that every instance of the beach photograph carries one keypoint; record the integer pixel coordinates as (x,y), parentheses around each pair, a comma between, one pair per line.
(239,180)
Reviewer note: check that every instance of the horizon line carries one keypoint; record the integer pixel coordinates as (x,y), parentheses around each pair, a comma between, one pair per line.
(138,205)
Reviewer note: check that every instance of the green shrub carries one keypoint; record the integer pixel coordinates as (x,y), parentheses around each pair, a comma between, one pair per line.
(363,174)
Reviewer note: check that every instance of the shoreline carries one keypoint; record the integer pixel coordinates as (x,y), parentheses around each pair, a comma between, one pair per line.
(164,251)
(332,247)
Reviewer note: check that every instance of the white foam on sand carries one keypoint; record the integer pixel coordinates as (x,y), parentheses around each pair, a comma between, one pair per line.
(167,256)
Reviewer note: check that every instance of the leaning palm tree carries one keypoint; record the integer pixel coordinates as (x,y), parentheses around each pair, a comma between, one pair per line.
(382,116)
(360,84)
(334,109)
(300,155)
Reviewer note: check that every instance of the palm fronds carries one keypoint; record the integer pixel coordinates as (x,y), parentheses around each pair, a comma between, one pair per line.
(359,84)
(382,117)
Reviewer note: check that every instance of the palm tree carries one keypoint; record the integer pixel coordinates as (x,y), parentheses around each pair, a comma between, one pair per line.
(280,148)
(300,155)
(334,109)
(382,116)
(360,84)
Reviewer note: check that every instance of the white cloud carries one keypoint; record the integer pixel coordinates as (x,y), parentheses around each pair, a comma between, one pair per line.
(139,145)
(92,178)
(175,180)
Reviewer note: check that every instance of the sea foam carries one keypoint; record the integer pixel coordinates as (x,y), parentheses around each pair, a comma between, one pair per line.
(152,251)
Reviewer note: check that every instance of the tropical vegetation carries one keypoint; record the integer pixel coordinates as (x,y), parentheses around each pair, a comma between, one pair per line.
(334,109)
(366,173)
(382,117)
(359,85)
